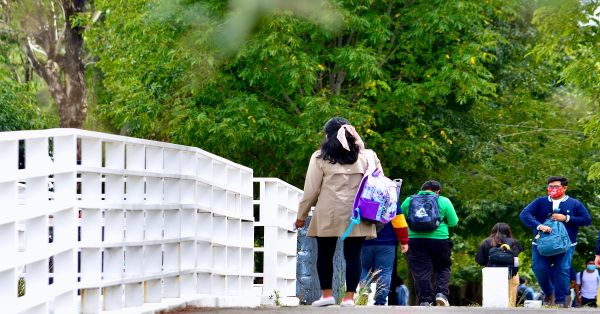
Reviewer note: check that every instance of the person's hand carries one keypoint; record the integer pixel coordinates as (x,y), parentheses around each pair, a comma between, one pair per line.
(545,229)
(299,223)
(404,248)
(559,217)
(597,261)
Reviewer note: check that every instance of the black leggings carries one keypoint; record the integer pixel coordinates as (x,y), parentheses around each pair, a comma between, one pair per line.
(326,251)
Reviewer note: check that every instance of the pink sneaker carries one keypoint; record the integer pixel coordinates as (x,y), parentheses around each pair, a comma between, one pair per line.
(324,301)
(347,303)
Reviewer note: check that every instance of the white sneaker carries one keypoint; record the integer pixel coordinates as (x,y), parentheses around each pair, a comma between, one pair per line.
(347,303)
(324,301)
(441,300)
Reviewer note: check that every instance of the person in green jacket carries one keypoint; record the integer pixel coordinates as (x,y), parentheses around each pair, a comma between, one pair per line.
(430,251)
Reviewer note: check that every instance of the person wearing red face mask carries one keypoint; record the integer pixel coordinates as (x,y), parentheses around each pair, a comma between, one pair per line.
(552,272)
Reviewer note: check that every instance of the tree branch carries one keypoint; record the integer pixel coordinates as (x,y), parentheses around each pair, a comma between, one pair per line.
(35,64)
(541,130)
(257,90)
(339,79)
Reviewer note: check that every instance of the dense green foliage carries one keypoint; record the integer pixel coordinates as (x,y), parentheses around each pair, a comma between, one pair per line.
(440,89)
(490,97)
(571,41)
(19,109)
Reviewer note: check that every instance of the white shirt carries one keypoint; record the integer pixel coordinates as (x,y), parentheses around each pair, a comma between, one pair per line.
(589,287)
(556,203)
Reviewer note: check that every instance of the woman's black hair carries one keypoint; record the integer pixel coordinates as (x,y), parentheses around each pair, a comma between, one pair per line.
(500,231)
(332,150)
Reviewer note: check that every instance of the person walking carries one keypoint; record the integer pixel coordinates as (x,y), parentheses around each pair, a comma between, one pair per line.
(552,272)
(571,297)
(586,285)
(524,292)
(332,180)
(402,293)
(378,255)
(429,252)
(396,281)
(502,256)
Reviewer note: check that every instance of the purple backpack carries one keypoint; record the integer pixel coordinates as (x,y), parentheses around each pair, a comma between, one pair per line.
(376,199)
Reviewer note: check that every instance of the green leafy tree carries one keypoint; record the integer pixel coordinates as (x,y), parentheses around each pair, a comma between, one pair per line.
(20,93)
(50,37)
(440,89)
(571,42)
(19,110)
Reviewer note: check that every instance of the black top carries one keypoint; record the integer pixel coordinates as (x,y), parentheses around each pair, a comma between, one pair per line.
(483,253)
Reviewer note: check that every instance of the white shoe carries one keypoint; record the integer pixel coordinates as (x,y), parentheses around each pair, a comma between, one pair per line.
(441,300)
(347,303)
(324,301)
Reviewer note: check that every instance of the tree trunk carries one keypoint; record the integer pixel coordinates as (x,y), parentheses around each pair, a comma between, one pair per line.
(73,110)
(61,65)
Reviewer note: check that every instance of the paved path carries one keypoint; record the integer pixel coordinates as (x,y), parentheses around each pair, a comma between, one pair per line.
(379,309)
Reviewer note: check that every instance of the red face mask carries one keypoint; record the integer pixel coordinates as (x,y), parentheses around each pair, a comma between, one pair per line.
(556,192)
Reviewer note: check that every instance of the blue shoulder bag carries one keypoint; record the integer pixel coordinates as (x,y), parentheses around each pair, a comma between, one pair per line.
(555,242)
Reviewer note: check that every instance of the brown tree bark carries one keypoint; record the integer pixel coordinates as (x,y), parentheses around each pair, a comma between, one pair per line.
(54,48)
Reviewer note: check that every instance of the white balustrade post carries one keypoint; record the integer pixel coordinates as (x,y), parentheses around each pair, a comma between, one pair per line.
(37,159)
(134,294)
(8,290)
(278,205)
(65,151)
(115,155)
(113,297)
(64,277)
(8,227)
(153,291)
(9,160)
(495,287)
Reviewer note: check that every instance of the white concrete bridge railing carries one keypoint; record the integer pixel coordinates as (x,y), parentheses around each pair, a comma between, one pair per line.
(276,240)
(92,222)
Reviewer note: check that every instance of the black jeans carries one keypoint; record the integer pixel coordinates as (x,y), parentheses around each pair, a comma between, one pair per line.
(426,258)
(588,302)
(326,251)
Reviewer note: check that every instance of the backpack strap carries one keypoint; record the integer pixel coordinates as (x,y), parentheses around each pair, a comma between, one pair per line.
(371,165)
(353,221)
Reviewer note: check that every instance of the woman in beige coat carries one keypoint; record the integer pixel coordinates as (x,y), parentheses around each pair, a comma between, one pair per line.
(332,180)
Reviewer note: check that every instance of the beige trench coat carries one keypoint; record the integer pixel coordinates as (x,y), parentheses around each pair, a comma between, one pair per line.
(331,189)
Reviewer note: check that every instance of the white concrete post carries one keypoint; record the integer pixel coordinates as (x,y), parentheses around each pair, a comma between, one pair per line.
(278,205)
(495,287)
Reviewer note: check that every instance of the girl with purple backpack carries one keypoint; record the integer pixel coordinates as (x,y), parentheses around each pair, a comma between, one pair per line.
(332,179)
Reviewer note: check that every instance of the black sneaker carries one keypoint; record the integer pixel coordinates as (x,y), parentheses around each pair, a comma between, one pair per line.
(441,300)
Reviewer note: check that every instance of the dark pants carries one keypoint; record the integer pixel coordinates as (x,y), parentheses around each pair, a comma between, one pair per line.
(428,258)
(326,251)
(393,296)
(588,302)
(378,258)
(553,273)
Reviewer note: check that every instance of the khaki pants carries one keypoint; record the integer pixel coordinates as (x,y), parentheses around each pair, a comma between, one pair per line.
(513,284)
